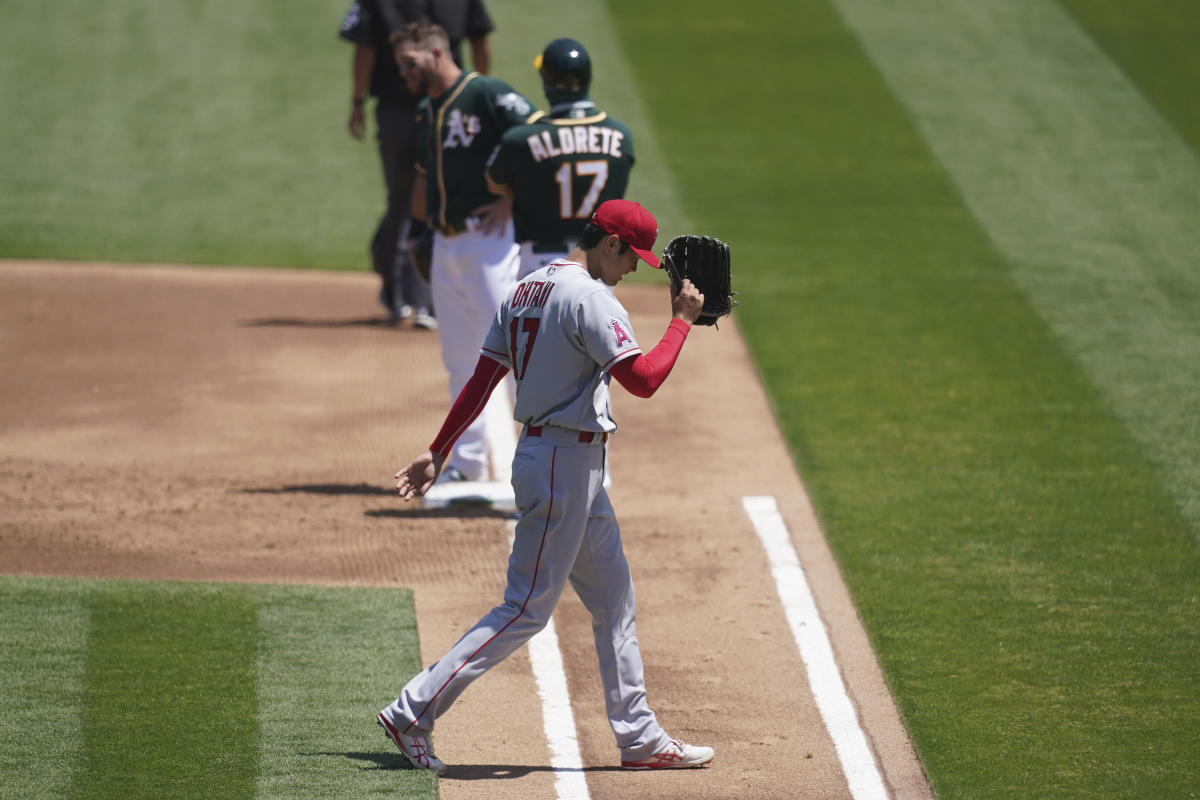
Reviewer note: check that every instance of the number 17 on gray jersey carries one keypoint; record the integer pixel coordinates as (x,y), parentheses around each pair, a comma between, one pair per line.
(559,331)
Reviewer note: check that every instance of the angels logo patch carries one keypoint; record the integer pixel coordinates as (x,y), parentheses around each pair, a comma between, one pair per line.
(622,336)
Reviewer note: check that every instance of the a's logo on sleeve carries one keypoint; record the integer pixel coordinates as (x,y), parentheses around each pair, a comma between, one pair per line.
(622,336)
(515,103)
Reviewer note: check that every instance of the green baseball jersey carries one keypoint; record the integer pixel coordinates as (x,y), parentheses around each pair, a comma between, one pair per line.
(455,135)
(560,169)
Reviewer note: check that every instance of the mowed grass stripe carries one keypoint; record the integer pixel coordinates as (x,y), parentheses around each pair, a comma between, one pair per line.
(169,704)
(1155,44)
(43,646)
(121,689)
(329,659)
(1087,191)
(181,132)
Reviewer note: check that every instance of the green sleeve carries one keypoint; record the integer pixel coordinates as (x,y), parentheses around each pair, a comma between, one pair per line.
(509,106)
(501,168)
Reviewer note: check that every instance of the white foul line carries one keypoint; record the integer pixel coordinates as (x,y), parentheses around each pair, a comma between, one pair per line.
(558,721)
(545,657)
(824,679)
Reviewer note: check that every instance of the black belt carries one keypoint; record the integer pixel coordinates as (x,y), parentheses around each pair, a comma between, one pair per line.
(453,227)
(548,247)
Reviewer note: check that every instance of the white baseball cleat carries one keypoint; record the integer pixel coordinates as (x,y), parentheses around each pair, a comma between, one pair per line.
(676,755)
(417,749)
(425,321)
(396,315)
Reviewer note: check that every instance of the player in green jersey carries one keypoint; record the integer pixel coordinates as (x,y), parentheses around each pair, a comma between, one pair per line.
(474,263)
(561,167)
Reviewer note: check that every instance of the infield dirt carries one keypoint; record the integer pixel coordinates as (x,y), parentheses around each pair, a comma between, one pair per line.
(244,425)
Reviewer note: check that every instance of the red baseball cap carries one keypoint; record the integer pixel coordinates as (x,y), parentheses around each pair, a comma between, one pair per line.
(635,225)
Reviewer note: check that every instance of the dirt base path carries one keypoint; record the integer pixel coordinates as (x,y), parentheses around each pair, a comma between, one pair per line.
(243,425)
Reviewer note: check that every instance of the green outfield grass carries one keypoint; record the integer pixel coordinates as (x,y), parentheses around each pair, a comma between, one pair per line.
(179,132)
(964,239)
(1155,44)
(117,689)
(1016,545)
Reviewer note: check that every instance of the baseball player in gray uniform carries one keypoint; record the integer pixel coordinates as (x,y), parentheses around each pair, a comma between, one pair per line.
(562,333)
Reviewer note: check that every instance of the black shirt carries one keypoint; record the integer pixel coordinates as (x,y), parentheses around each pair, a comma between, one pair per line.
(462,19)
(370,23)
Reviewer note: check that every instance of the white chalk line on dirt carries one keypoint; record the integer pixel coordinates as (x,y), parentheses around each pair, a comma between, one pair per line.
(545,656)
(824,678)
(558,721)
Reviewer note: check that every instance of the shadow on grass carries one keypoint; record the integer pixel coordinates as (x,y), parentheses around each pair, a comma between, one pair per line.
(371,760)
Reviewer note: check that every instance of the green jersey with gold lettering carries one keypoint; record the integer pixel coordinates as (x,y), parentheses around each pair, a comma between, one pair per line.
(456,133)
(560,168)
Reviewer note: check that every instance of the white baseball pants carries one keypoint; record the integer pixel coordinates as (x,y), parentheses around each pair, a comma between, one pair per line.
(471,274)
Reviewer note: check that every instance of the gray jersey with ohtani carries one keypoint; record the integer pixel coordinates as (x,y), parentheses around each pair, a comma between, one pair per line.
(560,331)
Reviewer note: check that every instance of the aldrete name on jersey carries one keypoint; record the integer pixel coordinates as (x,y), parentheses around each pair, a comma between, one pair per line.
(582,139)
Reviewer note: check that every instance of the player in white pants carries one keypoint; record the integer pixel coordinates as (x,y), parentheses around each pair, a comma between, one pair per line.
(471,273)
(562,333)
(459,123)
(532,258)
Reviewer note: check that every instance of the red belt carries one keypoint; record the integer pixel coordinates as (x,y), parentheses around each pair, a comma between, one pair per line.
(585,437)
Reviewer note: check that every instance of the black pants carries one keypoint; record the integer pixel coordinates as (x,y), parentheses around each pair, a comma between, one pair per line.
(401,285)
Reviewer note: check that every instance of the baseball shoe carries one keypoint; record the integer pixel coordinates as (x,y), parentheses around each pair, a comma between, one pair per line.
(424,320)
(676,755)
(417,749)
(397,315)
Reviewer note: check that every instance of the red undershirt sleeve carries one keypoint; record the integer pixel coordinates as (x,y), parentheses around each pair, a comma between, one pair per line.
(642,374)
(469,404)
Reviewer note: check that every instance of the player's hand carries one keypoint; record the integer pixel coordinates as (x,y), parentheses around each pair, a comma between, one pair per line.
(415,479)
(494,216)
(357,123)
(688,304)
